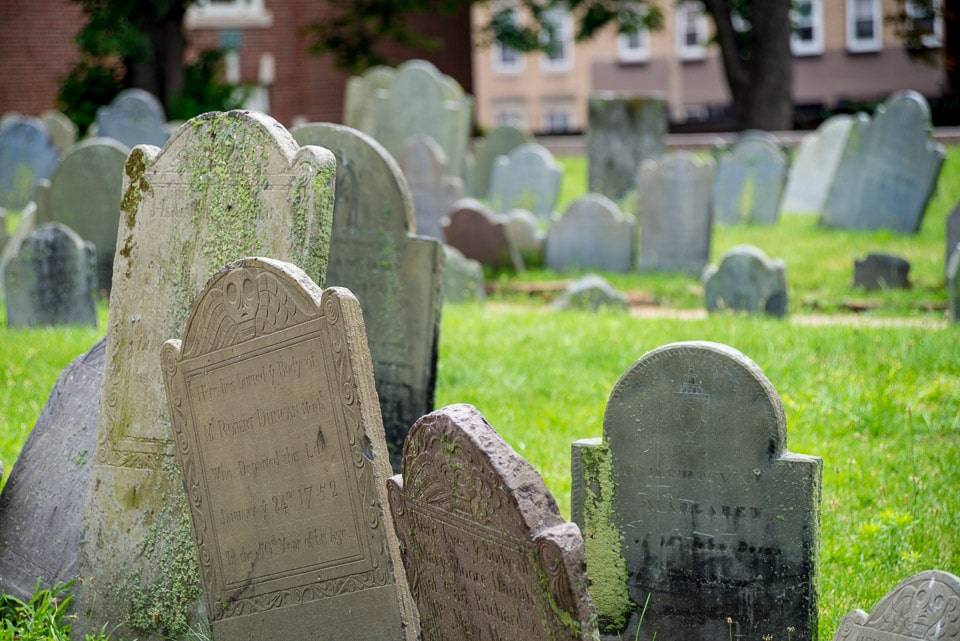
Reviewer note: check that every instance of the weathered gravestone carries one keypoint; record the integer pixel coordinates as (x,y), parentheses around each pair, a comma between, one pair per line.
(27,156)
(462,277)
(923,608)
(276,421)
(481,235)
(592,233)
(746,281)
(487,553)
(25,227)
(62,130)
(623,131)
(133,117)
(432,188)
(676,222)
(881,271)
(591,293)
(226,185)
(395,275)
(526,236)
(953,233)
(358,96)
(84,194)
(813,169)
(888,171)
(749,182)
(51,280)
(528,178)
(499,141)
(953,284)
(42,501)
(716,518)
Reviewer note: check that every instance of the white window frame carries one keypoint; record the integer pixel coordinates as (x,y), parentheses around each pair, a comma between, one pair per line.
(561,108)
(504,67)
(232,14)
(512,113)
(564,32)
(628,52)
(935,39)
(856,44)
(814,46)
(690,14)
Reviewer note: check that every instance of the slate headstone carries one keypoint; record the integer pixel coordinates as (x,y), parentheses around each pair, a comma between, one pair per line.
(953,232)
(953,284)
(432,188)
(815,165)
(487,553)
(676,221)
(62,130)
(462,277)
(133,117)
(499,141)
(226,185)
(359,94)
(42,501)
(276,419)
(749,182)
(881,271)
(51,280)
(395,275)
(591,293)
(888,171)
(623,131)
(716,518)
(481,235)
(746,280)
(526,236)
(592,233)
(27,155)
(528,178)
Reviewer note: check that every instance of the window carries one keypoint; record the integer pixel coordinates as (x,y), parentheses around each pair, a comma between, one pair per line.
(807,36)
(863,25)
(557,119)
(228,14)
(512,113)
(507,60)
(691,31)
(634,47)
(558,43)
(927,19)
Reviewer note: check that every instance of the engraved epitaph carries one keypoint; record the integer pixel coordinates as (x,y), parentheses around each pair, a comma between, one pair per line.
(487,553)
(278,435)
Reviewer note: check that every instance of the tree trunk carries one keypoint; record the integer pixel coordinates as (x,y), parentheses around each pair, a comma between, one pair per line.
(162,71)
(951,49)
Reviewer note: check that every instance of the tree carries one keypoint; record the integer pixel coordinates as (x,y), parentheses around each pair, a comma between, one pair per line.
(915,22)
(753,36)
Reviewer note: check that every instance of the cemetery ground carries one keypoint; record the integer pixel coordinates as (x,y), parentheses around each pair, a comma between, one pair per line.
(878,402)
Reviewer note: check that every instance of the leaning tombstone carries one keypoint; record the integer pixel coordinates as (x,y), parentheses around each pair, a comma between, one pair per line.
(888,171)
(62,130)
(277,425)
(592,233)
(881,271)
(462,277)
(133,117)
(499,141)
(953,232)
(676,222)
(432,187)
(749,182)
(746,280)
(42,501)
(591,293)
(717,522)
(395,274)
(925,606)
(489,558)
(528,178)
(812,172)
(624,131)
(27,156)
(224,186)
(953,284)
(481,235)
(51,280)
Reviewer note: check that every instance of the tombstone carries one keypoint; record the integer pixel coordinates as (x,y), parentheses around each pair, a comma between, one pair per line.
(746,281)
(25,227)
(276,419)
(526,236)
(704,498)
(749,182)
(888,171)
(881,271)
(676,223)
(462,277)
(925,606)
(528,178)
(481,235)
(591,293)
(133,117)
(623,131)
(84,194)
(592,233)
(395,275)
(42,501)
(62,130)
(27,155)
(814,166)
(490,558)
(358,96)
(51,280)
(3,228)
(953,284)
(500,141)
(224,186)
(953,232)
(432,188)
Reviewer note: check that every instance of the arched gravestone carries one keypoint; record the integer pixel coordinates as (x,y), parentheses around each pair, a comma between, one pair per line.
(527,178)
(888,171)
(432,188)
(226,185)
(277,431)
(500,141)
(62,130)
(746,280)
(481,235)
(592,233)
(749,181)
(359,93)
(27,156)
(815,166)
(133,117)
(396,276)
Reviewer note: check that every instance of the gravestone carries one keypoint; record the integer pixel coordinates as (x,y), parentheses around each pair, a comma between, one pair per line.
(491,558)
(528,178)
(432,188)
(62,130)
(499,141)
(925,606)
(27,156)
(953,284)
(42,501)
(25,227)
(881,271)
(590,293)
(84,194)
(226,185)
(462,277)
(814,166)
(526,236)
(276,420)
(395,275)
(623,131)
(359,93)
(749,182)
(51,280)
(746,281)
(888,171)
(592,233)
(953,232)
(481,235)
(715,517)
(133,117)
(676,223)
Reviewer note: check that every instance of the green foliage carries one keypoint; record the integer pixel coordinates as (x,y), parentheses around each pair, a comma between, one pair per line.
(86,87)
(44,618)
(203,90)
